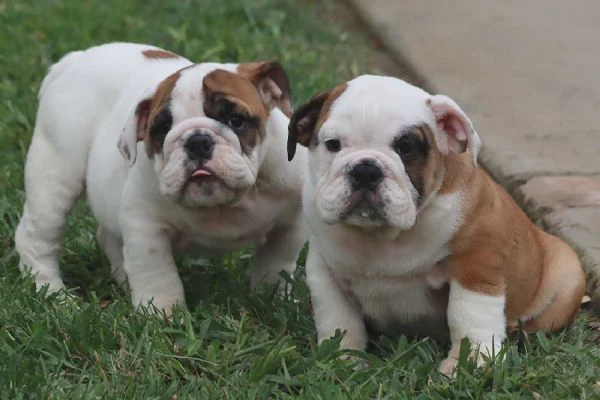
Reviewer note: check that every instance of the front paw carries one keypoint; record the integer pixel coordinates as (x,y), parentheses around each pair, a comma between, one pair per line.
(269,276)
(157,304)
(358,363)
(48,284)
(448,366)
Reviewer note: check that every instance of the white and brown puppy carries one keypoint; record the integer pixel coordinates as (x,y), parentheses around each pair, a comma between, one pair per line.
(406,232)
(175,156)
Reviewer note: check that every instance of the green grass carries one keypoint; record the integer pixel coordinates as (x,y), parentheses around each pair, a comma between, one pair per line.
(232,344)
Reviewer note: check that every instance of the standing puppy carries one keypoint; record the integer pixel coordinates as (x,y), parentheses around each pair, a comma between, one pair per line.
(407,232)
(174,155)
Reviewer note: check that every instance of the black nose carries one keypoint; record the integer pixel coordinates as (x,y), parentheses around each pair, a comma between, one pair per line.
(199,146)
(365,175)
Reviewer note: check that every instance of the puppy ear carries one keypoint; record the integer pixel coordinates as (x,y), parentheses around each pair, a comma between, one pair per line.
(134,131)
(455,131)
(272,83)
(304,122)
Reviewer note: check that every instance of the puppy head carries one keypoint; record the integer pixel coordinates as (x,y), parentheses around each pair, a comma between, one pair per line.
(204,129)
(378,149)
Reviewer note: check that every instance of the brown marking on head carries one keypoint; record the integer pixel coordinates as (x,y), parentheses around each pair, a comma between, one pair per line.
(309,117)
(430,170)
(154,119)
(423,162)
(228,94)
(272,84)
(157,54)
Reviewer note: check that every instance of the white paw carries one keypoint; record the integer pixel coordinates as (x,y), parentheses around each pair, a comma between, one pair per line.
(448,366)
(158,305)
(54,284)
(119,275)
(360,364)
(260,277)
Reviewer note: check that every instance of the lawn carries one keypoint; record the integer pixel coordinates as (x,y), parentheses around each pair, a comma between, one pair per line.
(231,344)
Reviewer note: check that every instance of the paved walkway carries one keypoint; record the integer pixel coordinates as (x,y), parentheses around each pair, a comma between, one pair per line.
(528,75)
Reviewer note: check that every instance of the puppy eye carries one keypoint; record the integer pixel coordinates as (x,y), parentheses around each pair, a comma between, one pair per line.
(404,146)
(236,121)
(333,145)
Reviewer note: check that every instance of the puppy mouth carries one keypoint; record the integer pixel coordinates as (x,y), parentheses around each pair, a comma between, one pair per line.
(364,204)
(202,175)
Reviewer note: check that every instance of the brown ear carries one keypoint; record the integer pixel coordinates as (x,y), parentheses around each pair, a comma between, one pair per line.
(142,116)
(303,123)
(272,83)
(135,131)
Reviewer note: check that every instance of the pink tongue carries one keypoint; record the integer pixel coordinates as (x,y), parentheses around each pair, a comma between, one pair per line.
(201,172)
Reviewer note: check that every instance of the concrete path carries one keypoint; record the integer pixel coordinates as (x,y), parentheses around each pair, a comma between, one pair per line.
(528,75)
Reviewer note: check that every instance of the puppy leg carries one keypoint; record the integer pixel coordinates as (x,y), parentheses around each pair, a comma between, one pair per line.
(333,309)
(113,248)
(278,253)
(476,316)
(53,183)
(149,264)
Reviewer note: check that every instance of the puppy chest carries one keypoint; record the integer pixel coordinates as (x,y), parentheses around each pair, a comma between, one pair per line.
(400,306)
(227,230)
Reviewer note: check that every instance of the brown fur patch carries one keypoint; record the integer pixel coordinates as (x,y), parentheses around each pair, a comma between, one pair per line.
(149,109)
(458,170)
(226,93)
(155,54)
(425,169)
(499,251)
(160,101)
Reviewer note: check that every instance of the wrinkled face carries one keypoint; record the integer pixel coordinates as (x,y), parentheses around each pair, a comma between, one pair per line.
(378,147)
(204,128)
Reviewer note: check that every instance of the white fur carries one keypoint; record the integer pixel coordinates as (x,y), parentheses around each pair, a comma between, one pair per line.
(145,212)
(478,317)
(388,278)
(383,272)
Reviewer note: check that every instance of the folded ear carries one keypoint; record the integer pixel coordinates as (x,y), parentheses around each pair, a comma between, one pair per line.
(272,83)
(303,123)
(134,131)
(155,98)
(455,131)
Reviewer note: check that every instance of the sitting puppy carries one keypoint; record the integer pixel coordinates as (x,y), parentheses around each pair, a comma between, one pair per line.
(407,234)
(202,166)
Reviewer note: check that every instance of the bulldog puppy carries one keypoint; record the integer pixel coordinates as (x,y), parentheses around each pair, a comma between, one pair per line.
(175,156)
(408,235)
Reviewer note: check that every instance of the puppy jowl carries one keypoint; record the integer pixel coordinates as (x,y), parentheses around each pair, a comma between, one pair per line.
(408,233)
(172,155)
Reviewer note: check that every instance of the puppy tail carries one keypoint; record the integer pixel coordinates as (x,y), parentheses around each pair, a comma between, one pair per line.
(57,69)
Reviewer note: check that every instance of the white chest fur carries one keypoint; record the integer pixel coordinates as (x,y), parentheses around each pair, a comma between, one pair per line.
(389,279)
(229,228)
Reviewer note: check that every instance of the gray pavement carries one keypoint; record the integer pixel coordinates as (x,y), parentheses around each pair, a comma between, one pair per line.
(528,75)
